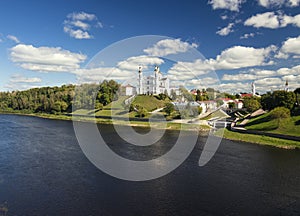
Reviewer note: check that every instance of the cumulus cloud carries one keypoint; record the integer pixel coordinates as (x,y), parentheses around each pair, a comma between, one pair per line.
(237,57)
(13,38)
(278,3)
(226,30)
(255,74)
(233,87)
(232,5)
(103,73)
(241,57)
(290,47)
(125,70)
(265,80)
(45,59)
(272,20)
(144,61)
(78,25)
(168,47)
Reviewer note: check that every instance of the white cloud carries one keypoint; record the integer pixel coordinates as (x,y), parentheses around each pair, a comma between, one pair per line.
(99,74)
(278,3)
(13,38)
(232,5)
(247,35)
(249,75)
(20,82)
(265,80)
(226,30)
(77,25)
(45,59)
(189,70)
(269,81)
(241,57)
(168,47)
(233,87)
(78,34)
(256,74)
(123,71)
(81,16)
(134,62)
(290,47)
(17,78)
(272,20)
(236,57)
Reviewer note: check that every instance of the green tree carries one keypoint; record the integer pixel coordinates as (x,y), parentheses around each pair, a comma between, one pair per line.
(251,104)
(169,108)
(297,92)
(280,113)
(278,99)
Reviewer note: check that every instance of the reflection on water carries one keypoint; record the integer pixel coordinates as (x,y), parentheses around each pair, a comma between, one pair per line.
(44,172)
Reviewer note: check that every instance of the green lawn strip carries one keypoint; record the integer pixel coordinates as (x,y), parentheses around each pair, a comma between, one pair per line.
(259,139)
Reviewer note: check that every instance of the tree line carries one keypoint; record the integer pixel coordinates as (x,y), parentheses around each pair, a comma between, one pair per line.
(273,100)
(61,99)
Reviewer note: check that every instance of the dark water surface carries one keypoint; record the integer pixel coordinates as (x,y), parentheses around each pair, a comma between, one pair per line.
(44,172)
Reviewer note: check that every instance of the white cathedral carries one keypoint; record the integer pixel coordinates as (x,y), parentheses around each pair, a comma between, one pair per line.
(153,84)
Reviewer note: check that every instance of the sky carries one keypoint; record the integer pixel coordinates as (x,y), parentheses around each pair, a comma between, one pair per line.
(224,44)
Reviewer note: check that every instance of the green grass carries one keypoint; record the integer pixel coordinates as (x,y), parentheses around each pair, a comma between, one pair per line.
(217,114)
(149,102)
(258,139)
(289,126)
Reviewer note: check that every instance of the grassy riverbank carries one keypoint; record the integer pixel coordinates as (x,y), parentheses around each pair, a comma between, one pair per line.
(259,139)
(158,125)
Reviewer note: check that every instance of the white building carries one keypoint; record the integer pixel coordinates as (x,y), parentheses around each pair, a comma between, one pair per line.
(154,84)
(128,90)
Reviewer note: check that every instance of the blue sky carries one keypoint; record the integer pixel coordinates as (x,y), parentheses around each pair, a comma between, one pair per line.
(51,42)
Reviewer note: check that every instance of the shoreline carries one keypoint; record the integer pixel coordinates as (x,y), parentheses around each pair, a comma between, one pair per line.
(143,124)
(260,140)
(228,135)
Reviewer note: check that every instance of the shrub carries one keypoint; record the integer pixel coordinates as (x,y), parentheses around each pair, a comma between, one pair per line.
(280,113)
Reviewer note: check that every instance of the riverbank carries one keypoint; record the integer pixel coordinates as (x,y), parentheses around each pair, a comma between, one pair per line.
(229,135)
(259,139)
(135,123)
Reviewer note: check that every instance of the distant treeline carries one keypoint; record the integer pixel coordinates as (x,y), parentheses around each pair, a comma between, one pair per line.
(60,99)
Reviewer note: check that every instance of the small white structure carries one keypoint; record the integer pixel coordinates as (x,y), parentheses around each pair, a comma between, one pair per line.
(128,90)
(154,84)
(208,106)
(253,89)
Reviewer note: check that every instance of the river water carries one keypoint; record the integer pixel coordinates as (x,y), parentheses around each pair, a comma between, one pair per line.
(44,172)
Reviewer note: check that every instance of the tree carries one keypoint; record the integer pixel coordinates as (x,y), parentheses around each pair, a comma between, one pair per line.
(278,99)
(280,113)
(173,94)
(251,104)
(141,112)
(220,102)
(169,108)
(297,91)
(186,94)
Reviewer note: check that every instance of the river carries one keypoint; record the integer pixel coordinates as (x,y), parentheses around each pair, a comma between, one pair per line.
(44,172)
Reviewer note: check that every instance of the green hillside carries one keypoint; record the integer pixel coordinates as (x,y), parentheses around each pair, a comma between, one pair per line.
(288,126)
(149,102)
